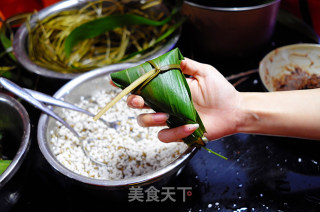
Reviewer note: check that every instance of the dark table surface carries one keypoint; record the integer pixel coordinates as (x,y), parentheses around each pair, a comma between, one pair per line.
(262,173)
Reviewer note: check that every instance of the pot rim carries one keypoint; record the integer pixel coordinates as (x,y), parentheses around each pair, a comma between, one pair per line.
(232,9)
(25,140)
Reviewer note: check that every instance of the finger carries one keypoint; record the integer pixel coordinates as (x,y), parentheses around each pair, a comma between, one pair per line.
(194,68)
(177,134)
(112,83)
(136,101)
(153,119)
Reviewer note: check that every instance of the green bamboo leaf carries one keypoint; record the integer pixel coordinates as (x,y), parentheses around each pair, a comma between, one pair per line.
(7,32)
(158,40)
(215,153)
(102,25)
(168,92)
(4,165)
(5,69)
(6,43)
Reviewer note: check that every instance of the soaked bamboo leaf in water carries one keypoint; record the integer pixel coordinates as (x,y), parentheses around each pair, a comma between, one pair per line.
(94,36)
(159,39)
(102,25)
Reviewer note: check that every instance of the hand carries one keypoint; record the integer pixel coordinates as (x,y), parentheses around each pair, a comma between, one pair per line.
(215,99)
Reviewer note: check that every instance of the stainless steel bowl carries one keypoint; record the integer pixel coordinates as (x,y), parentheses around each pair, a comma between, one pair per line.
(20,43)
(230,32)
(14,120)
(85,85)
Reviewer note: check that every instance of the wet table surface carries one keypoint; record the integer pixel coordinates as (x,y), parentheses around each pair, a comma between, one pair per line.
(262,173)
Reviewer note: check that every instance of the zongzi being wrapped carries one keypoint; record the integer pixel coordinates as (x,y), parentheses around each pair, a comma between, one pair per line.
(164,88)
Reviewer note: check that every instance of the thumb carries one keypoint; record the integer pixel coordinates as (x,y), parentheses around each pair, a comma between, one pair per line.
(193,68)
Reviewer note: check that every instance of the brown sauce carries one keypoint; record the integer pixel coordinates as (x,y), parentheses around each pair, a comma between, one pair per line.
(297,79)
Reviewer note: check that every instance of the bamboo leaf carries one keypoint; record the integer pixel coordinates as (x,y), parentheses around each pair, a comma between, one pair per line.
(125,91)
(6,43)
(4,165)
(168,92)
(106,43)
(215,153)
(7,33)
(102,25)
(5,69)
(159,39)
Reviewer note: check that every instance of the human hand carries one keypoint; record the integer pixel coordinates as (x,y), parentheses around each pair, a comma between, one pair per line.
(215,99)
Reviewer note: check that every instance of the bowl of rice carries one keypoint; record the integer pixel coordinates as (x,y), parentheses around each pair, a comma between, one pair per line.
(132,155)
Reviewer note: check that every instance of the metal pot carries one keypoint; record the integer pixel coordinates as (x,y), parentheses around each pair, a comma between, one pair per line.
(20,43)
(231,32)
(15,123)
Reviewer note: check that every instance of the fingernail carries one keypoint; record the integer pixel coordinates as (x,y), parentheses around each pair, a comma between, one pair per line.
(160,117)
(191,127)
(135,102)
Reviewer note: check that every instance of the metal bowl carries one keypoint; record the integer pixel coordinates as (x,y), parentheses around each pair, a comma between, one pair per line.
(20,43)
(85,85)
(231,32)
(288,60)
(14,121)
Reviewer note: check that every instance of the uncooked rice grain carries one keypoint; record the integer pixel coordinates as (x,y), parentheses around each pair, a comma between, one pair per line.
(129,150)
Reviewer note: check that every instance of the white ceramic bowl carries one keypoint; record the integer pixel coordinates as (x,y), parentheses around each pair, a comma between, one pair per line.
(287,59)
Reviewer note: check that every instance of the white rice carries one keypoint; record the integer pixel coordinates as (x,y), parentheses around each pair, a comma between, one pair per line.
(128,151)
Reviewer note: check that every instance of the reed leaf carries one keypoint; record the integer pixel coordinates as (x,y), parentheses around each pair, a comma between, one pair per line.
(102,25)
(6,43)
(7,33)
(166,92)
(99,34)
(159,39)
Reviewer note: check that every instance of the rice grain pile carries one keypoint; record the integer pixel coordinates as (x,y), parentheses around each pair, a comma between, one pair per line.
(128,151)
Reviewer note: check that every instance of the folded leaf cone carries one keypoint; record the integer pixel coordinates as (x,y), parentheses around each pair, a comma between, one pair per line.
(167,91)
